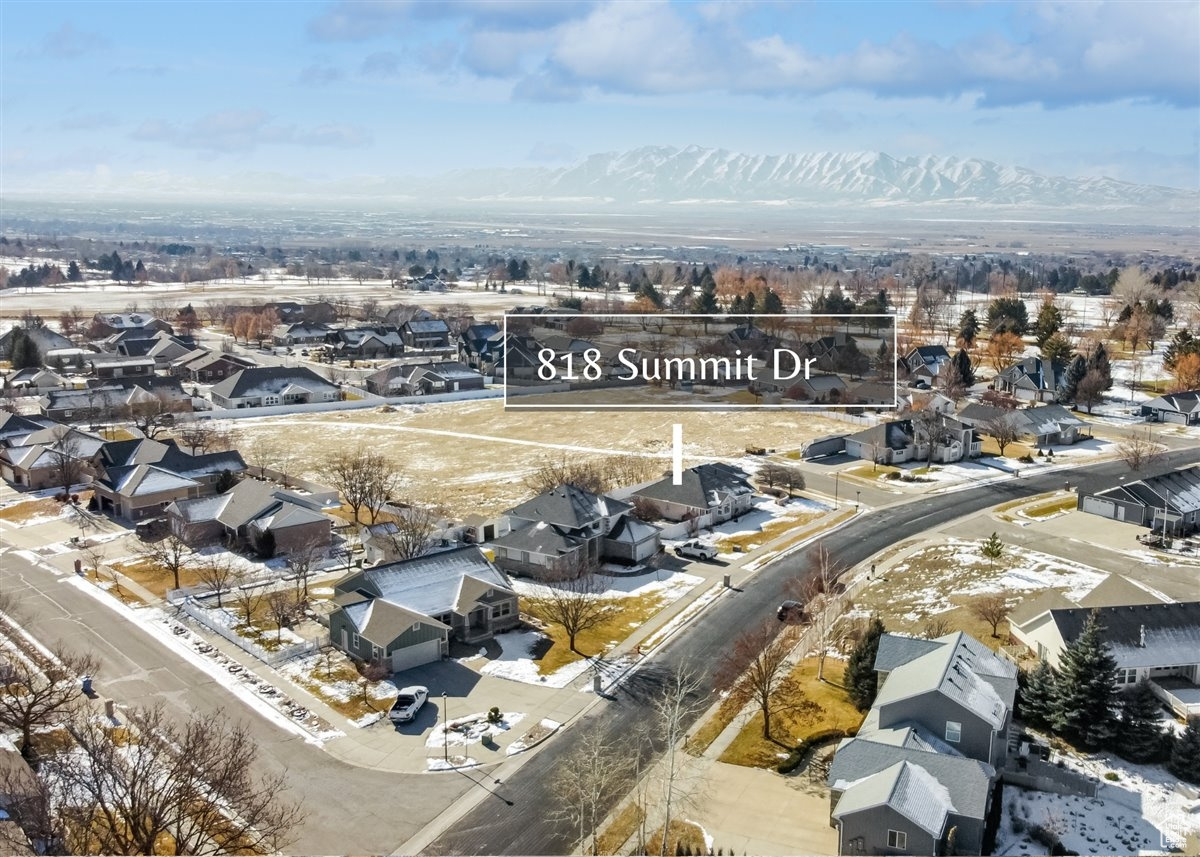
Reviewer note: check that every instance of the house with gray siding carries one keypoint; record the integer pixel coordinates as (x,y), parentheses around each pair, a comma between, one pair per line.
(403,614)
(1182,408)
(1167,503)
(709,494)
(920,775)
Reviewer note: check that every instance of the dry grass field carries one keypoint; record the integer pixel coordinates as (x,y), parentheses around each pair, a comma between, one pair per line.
(473,457)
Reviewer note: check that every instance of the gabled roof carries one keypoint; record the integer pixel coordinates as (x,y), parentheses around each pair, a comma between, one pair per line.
(968,780)
(908,789)
(894,434)
(1187,402)
(961,669)
(629,530)
(269,380)
(569,507)
(541,538)
(382,621)
(702,487)
(1177,490)
(896,650)
(433,325)
(18,425)
(142,479)
(429,584)
(1143,635)
(1035,373)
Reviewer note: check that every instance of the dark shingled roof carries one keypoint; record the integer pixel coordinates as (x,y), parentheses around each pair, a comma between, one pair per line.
(701,486)
(569,507)
(1142,635)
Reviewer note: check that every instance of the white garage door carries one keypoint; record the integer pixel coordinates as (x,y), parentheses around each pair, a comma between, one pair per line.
(1099,506)
(415,656)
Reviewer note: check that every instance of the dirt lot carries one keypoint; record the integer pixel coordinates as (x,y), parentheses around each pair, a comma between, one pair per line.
(472,457)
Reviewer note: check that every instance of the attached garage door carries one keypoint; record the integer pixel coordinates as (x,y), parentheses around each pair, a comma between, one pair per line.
(415,656)
(1100,506)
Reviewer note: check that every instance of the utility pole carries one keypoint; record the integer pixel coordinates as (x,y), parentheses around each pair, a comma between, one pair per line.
(445,731)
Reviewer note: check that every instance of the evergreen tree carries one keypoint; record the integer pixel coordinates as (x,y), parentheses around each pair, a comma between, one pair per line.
(772,303)
(1084,710)
(1182,343)
(1140,737)
(1049,321)
(1098,360)
(968,328)
(1056,349)
(861,680)
(585,277)
(706,301)
(74,275)
(1076,370)
(1185,757)
(1038,694)
(962,364)
(992,547)
(738,306)
(24,352)
(1008,314)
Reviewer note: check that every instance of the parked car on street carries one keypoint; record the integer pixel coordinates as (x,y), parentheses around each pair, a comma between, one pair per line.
(696,550)
(791,612)
(408,703)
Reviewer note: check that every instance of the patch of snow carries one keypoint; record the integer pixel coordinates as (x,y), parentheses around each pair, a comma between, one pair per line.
(454,763)
(515,663)
(471,729)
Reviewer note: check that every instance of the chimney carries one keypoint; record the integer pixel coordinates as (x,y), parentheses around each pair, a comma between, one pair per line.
(1142,636)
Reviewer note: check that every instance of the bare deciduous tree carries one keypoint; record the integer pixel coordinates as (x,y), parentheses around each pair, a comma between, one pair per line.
(818,589)
(592,775)
(784,475)
(411,533)
(1140,453)
(216,572)
(756,666)
(364,478)
(1002,429)
(66,453)
(169,554)
(248,596)
(201,436)
(302,561)
(572,600)
(934,627)
(673,707)
(282,606)
(189,787)
(40,694)
(993,609)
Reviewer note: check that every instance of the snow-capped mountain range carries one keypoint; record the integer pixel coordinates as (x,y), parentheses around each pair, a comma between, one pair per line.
(655,174)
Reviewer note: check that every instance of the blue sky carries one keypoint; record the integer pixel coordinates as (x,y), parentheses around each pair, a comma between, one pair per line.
(103,95)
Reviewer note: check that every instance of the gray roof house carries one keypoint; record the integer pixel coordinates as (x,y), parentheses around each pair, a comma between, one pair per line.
(431,333)
(710,494)
(423,379)
(1045,425)
(925,363)
(1182,408)
(898,441)
(403,614)
(271,386)
(1034,378)
(566,529)
(919,776)
(1150,639)
(246,511)
(1169,501)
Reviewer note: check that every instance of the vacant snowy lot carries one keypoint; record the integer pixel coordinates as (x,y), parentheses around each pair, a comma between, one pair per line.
(473,457)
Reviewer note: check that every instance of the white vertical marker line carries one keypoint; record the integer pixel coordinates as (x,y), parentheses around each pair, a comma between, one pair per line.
(677,454)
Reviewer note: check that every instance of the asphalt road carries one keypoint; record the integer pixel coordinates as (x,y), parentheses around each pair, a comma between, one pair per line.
(528,825)
(347,809)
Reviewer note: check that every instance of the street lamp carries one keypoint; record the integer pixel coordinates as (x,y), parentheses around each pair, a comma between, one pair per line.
(835,490)
(445,731)
(857,497)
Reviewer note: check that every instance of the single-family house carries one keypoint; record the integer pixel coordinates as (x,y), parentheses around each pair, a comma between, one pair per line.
(43,337)
(871,393)
(106,324)
(425,379)
(1182,408)
(1032,379)
(109,366)
(567,529)
(897,441)
(920,775)
(708,494)
(121,399)
(1167,503)
(424,335)
(139,478)
(300,333)
(476,343)
(208,367)
(1149,639)
(270,386)
(34,380)
(818,389)
(367,343)
(32,454)
(165,349)
(924,364)
(403,614)
(1044,425)
(245,512)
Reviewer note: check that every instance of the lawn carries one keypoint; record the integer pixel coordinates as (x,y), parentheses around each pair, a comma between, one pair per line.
(771,530)
(618,831)
(824,706)
(149,575)
(700,740)
(29,511)
(627,614)
(1012,450)
(1048,510)
(338,684)
(870,471)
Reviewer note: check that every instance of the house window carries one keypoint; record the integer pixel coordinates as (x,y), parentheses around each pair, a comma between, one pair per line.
(67,413)
(953,731)
(502,610)
(1127,676)
(354,641)
(897,839)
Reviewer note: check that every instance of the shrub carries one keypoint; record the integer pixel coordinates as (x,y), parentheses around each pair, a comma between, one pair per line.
(1112,776)
(894,474)
(1026,459)
(800,750)
(494,715)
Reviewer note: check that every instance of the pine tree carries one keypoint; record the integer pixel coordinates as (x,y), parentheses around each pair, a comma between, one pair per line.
(966,372)
(1087,696)
(1140,737)
(861,680)
(74,275)
(1076,370)
(968,328)
(24,352)
(1185,758)
(1038,694)
(772,303)
(706,301)
(1098,361)
(992,547)
(1049,320)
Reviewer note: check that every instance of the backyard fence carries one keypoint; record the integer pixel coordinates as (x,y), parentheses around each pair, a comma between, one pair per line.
(271,657)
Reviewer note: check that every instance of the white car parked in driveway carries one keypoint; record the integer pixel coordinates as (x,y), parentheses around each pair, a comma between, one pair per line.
(696,550)
(408,703)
